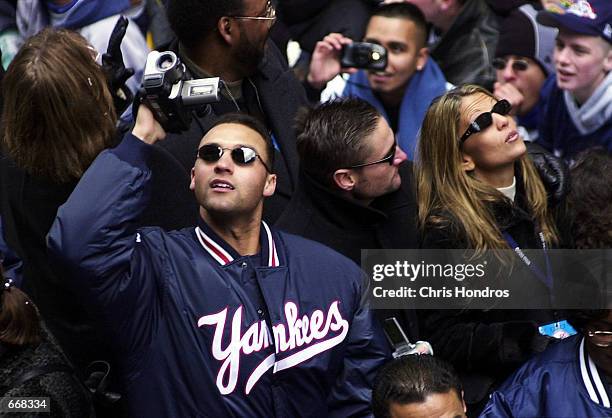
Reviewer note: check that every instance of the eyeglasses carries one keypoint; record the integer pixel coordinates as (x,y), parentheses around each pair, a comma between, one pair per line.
(601,338)
(386,159)
(484,120)
(240,155)
(268,14)
(517,64)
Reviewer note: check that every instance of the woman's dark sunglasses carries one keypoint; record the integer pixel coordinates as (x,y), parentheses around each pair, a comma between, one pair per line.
(517,65)
(386,159)
(484,120)
(240,155)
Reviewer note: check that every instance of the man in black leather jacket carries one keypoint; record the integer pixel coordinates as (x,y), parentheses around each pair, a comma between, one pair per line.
(229,39)
(462,39)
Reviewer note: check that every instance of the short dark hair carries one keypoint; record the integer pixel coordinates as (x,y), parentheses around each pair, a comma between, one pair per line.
(411,379)
(254,124)
(331,136)
(406,11)
(192,20)
(590,199)
(580,318)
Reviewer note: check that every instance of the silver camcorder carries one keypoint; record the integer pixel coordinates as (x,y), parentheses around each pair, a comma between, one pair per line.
(170,96)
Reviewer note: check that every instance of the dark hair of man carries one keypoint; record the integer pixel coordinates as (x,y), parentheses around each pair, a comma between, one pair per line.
(58,112)
(590,199)
(332,136)
(193,20)
(254,124)
(580,318)
(406,11)
(410,379)
(19,320)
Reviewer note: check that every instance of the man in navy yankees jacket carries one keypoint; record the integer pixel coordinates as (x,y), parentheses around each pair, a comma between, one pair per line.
(229,318)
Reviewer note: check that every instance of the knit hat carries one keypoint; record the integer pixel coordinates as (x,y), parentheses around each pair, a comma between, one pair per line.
(521,35)
(592,17)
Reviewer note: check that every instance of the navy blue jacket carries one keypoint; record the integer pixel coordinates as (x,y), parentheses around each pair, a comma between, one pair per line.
(561,382)
(203,331)
(557,132)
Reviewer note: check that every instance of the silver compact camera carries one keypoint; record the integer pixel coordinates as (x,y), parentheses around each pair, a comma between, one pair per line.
(170,96)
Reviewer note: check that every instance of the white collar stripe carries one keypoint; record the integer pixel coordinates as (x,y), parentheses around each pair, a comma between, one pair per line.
(272,256)
(591,379)
(598,384)
(214,249)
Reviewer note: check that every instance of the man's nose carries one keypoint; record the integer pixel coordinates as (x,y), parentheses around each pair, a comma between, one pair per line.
(400,156)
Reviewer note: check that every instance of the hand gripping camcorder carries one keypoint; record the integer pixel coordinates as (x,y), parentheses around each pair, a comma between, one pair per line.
(170,96)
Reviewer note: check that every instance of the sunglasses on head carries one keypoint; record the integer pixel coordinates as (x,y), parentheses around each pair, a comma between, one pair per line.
(241,155)
(386,159)
(517,64)
(484,120)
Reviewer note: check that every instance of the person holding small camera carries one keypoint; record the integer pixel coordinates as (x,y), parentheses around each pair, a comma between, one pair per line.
(401,91)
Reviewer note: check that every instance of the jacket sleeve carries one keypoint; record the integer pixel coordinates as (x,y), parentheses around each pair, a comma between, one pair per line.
(94,240)
(366,351)
(497,407)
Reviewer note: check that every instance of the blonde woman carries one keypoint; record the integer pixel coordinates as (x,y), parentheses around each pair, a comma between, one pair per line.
(478,189)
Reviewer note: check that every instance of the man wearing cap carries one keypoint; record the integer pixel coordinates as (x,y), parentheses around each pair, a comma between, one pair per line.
(524,60)
(577,113)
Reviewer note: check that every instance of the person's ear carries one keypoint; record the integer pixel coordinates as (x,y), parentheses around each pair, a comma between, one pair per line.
(227,29)
(422,57)
(463,403)
(608,60)
(270,185)
(344,178)
(192,182)
(467,162)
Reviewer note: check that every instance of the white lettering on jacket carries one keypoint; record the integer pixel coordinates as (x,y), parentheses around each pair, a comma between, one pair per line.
(307,334)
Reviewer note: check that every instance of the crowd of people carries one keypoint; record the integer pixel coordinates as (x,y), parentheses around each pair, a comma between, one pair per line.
(214,269)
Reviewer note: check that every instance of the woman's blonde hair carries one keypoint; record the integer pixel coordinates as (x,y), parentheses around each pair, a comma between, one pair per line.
(58,112)
(445,190)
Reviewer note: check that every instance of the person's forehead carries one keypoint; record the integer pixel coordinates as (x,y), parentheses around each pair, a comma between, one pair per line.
(391,29)
(435,405)
(474,105)
(229,135)
(254,6)
(578,38)
(381,139)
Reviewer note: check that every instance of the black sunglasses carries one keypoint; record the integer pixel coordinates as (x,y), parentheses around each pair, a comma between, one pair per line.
(484,120)
(241,155)
(517,64)
(386,159)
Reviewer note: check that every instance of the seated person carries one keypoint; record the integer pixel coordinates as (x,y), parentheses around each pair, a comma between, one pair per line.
(572,378)
(405,88)
(577,113)
(415,386)
(523,60)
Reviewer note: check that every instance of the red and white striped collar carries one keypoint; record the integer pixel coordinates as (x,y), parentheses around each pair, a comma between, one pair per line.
(224,254)
(591,379)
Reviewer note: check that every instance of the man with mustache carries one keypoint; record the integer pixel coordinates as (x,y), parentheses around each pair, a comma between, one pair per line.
(229,39)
